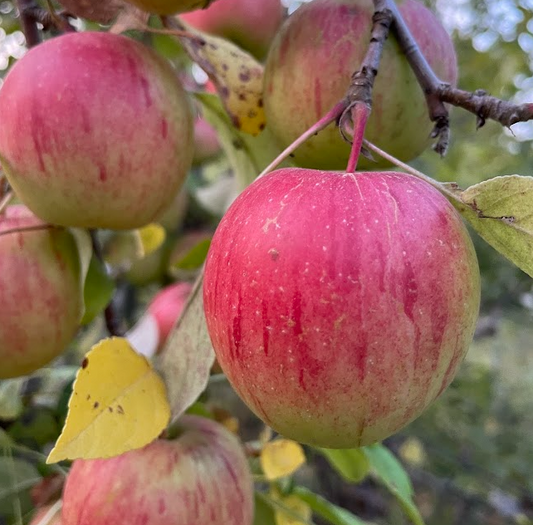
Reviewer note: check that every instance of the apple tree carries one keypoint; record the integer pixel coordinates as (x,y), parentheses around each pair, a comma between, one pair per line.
(228,253)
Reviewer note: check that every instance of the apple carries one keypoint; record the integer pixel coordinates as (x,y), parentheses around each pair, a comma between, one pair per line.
(41,298)
(170,7)
(166,307)
(96,131)
(251,24)
(308,71)
(206,143)
(200,478)
(340,305)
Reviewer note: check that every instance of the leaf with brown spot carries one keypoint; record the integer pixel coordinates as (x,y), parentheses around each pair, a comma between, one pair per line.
(236,74)
(501,211)
(115,377)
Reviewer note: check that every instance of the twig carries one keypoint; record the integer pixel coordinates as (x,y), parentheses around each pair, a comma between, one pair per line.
(112,321)
(359,93)
(28,21)
(438,92)
(331,116)
(24,229)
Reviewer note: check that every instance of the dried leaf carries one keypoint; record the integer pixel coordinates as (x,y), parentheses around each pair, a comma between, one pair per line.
(151,237)
(187,357)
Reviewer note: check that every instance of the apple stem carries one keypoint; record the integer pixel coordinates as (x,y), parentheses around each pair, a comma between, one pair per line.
(359,114)
(112,320)
(412,171)
(331,116)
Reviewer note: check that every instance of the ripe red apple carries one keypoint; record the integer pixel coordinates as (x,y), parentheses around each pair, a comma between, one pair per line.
(251,24)
(170,7)
(96,131)
(340,305)
(167,306)
(308,71)
(41,296)
(200,478)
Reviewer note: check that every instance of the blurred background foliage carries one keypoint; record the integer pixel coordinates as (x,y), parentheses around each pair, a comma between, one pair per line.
(470,455)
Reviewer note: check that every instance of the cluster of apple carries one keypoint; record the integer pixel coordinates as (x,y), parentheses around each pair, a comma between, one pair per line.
(339,305)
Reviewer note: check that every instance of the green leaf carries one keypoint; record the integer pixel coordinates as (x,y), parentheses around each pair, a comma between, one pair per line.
(499,209)
(351,464)
(195,257)
(263,514)
(10,398)
(323,508)
(98,290)
(248,155)
(390,472)
(17,477)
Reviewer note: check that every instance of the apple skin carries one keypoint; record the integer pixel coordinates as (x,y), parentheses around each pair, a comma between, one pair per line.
(167,306)
(251,24)
(96,131)
(308,71)
(200,478)
(170,7)
(340,305)
(41,300)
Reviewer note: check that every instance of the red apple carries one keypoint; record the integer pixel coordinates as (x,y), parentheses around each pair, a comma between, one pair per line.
(200,478)
(340,305)
(167,306)
(308,71)
(169,7)
(251,24)
(41,298)
(96,131)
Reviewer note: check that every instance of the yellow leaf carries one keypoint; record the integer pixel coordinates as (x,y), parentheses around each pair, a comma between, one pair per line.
(118,404)
(413,452)
(291,510)
(150,237)
(237,75)
(281,458)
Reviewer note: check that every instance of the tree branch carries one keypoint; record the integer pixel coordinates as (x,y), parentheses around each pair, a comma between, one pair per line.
(359,94)
(28,21)
(438,92)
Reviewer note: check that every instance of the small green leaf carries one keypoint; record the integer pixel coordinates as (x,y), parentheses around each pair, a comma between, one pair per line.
(10,398)
(17,477)
(351,464)
(264,514)
(323,508)
(98,290)
(390,472)
(195,257)
(499,209)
